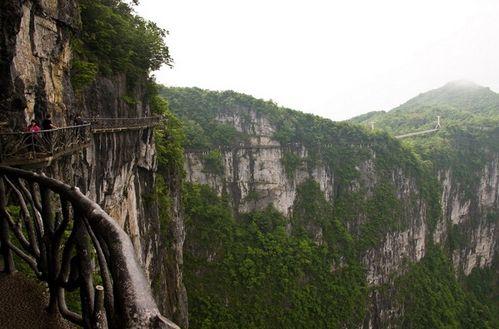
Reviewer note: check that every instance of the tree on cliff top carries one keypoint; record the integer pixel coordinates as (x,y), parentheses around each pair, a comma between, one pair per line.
(113,39)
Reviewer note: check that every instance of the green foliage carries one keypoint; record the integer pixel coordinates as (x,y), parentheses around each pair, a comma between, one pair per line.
(432,298)
(291,162)
(115,40)
(82,74)
(464,150)
(129,100)
(384,211)
(458,103)
(342,146)
(483,285)
(262,270)
(213,162)
(199,109)
(249,273)
(169,136)
(253,196)
(315,217)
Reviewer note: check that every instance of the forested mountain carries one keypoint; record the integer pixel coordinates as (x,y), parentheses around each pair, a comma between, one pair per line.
(457,103)
(296,221)
(271,217)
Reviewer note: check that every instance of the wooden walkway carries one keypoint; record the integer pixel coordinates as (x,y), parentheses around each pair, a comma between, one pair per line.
(112,125)
(35,150)
(23,305)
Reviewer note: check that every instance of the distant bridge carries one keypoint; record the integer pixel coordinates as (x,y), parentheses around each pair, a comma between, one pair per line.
(424,132)
(417,133)
(243,146)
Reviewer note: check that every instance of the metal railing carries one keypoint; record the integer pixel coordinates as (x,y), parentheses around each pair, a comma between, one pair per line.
(70,243)
(109,124)
(17,147)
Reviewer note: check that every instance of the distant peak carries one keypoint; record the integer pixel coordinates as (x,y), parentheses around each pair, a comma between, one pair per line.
(462,84)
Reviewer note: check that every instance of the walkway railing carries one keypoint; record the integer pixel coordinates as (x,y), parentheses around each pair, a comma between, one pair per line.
(70,243)
(117,124)
(21,147)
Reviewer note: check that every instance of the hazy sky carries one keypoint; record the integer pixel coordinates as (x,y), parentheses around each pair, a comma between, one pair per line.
(333,58)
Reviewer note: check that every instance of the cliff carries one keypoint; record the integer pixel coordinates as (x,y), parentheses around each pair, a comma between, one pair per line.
(36,59)
(397,208)
(118,169)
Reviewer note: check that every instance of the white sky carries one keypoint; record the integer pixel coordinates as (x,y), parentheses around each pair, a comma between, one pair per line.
(333,58)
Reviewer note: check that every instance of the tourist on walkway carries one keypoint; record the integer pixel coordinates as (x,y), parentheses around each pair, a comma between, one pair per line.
(47,123)
(47,135)
(32,139)
(78,120)
(33,127)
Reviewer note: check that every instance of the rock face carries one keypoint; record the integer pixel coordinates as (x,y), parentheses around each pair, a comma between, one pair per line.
(254,174)
(254,177)
(35,44)
(473,216)
(118,169)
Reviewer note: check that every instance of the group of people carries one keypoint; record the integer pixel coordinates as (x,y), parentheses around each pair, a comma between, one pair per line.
(47,124)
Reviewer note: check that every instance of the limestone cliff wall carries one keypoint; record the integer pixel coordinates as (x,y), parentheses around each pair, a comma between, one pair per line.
(472,215)
(36,57)
(118,169)
(254,177)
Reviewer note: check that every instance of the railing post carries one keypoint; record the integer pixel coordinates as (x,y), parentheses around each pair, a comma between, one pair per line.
(99,320)
(8,260)
(2,151)
(49,263)
(86,270)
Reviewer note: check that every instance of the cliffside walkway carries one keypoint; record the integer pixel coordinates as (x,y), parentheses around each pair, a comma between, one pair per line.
(41,148)
(71,245)
(24,304)
(106,125)
(44,146)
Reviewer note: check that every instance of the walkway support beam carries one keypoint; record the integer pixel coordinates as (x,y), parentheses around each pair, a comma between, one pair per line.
(102,125)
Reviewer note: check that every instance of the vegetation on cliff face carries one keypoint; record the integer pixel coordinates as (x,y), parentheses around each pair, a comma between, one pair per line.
(432,297)
(250,272)
(469,133)
(465,145)
(113,39)
(463,150)
(262,270)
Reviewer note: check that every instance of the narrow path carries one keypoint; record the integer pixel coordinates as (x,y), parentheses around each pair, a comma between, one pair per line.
(22,305)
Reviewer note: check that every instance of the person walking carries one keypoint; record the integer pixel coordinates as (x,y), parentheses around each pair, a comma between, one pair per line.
(47,123)
(32,138)
(33,127)
(78,122)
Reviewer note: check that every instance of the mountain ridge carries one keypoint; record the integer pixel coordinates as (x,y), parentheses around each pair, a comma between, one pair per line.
(459,102)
